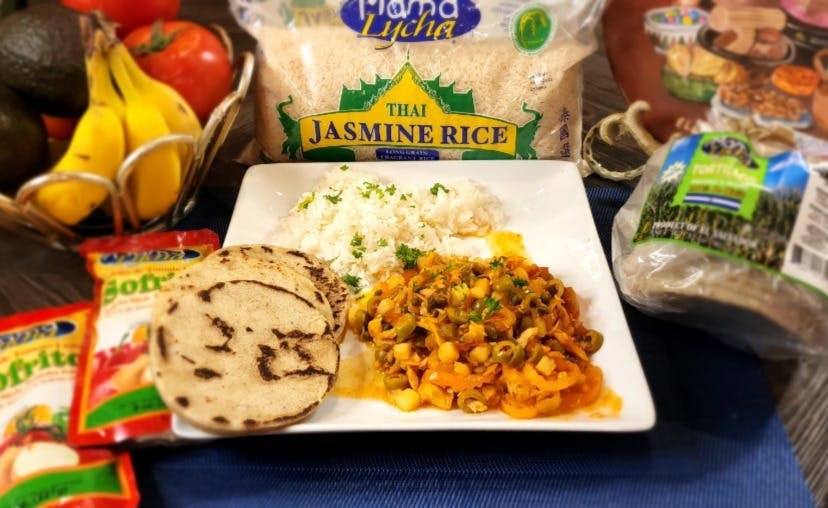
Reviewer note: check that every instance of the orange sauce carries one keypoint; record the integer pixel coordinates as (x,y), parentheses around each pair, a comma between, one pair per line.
(358,379)
(506,243)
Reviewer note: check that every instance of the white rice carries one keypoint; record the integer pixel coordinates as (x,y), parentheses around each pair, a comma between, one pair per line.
(435,217)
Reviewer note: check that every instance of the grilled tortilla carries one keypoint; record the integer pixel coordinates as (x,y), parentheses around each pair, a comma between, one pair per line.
(241,355)
(320,274)
(241,262)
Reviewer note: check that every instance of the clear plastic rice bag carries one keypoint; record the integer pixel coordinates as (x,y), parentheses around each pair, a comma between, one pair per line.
(717,237)
(419,79)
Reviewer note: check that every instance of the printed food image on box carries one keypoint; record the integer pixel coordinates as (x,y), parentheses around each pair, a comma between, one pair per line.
(759,59)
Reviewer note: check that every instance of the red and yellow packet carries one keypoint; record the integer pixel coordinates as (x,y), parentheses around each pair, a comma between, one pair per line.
(115,398)
(39,354)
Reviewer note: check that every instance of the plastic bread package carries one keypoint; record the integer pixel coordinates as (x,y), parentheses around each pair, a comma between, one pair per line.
(717,237)
(419,79)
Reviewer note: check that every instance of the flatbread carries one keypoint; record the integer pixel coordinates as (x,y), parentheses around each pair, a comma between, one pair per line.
(240,263)
(241,355)
(325,279)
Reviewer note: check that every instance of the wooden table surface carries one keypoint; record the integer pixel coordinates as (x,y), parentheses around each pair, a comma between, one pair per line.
(33,276)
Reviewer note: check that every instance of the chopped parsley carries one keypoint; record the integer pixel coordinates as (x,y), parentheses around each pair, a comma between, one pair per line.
(333,198)
(496,263)
(406,196)
(369,188)
(343,167)
(306,202)
(436,188)
(352,281)
(382,242)
(359,248)
(408,256)
(520,282)
(490,305)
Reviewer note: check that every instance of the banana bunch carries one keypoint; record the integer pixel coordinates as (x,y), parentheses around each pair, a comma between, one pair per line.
(116,123)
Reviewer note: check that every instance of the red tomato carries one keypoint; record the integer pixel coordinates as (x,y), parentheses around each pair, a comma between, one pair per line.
(129,14)
(189,58)
(60,128)
(105,364)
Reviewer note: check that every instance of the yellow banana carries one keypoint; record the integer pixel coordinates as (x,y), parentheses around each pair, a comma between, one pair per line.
(156,181)
(98,147)
(180,117)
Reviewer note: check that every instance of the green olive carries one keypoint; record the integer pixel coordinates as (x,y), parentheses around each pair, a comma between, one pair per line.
(546,297)
(556,346)
(395,381)
(404,326)
(472,401)
(518,356)
(437,300)
(478,306)
(594,341)
(529,302)
(457,316)
(536,355)
(503,351)
(448,330)
(503,284)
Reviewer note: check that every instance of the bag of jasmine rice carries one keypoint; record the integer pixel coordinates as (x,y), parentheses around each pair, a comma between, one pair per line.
(419,79)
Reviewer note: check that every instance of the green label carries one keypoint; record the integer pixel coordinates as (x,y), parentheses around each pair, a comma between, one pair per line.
(532,28)
(129,405)
(723,175)
(715,193)
(39,490)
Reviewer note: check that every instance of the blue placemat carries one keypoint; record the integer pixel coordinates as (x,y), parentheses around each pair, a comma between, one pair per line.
(718,442)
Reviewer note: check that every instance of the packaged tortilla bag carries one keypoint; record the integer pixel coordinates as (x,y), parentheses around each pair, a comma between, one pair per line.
(115,398)
(718,237)
(39,354)
(419,79)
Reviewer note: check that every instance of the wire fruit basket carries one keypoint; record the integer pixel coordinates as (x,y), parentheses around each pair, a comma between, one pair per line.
(20,214)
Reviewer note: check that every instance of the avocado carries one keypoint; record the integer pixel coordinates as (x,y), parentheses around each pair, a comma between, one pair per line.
(24,150)
(42,59)
(9,6)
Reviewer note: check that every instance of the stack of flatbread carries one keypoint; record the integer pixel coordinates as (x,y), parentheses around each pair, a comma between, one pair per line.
(248,339)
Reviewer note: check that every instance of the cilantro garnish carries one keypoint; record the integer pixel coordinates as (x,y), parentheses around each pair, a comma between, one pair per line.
(436,188)
(520,282)
(352,281)
(408,256)
(490,305)
(359,248)
(307,201)
(334,198)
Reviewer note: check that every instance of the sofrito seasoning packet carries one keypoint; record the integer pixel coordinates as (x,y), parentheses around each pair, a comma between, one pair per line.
(115,397)
(39,354)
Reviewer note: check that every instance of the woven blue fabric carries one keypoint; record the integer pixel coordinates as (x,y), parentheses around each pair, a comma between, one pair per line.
(718,442)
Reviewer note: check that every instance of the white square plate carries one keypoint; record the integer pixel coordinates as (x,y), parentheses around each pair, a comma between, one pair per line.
(546,203)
